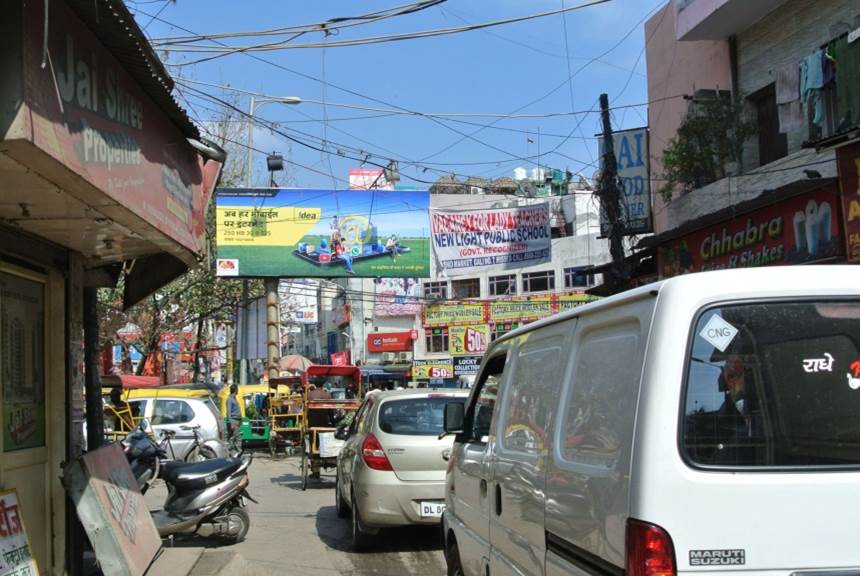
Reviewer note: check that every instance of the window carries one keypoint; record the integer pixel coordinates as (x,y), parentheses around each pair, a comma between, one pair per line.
(772,145)
(479,416)
(499,330)
(415,416)
(172,412)
(530,398)
(436,339)
(779,389)
(578,277)
(436,290)
(503,285)
(538,281)
(468,288)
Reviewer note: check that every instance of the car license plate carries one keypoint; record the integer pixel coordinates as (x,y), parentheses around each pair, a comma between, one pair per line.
(432,509)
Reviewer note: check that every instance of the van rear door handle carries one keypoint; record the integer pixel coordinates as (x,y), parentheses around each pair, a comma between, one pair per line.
(498,500)
(483,488)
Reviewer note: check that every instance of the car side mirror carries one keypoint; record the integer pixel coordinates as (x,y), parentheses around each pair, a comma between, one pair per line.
(454,414)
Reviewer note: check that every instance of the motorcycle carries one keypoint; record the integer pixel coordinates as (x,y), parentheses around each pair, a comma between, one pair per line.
(204,498)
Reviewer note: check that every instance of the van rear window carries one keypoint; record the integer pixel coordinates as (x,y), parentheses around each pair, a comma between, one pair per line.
(774,384)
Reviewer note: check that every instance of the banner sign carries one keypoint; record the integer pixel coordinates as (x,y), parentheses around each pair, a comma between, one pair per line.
(794,231)
(90,115)
(631,155)
(491,239)
(368,178)
(341,316)
(520,309)
(322,233)
(468,340)
(339,358)
(462,313)
(431,369)
(849,177)
(466,365)
(389,342)
(397,297)
(516,309)
(15,555)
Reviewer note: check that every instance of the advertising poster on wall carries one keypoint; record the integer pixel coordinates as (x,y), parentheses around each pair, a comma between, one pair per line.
(797,230)
(849,177)
(22,361)
(468,340)
(466,365)
(631,155)
(322,233)
(520,309)
(455,313)
(15,554)
(397,297)
(432,369)
(491,239)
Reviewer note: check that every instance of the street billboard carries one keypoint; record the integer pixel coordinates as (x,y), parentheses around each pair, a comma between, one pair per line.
(631,155)
(397,297)
(491,239)
(302,233)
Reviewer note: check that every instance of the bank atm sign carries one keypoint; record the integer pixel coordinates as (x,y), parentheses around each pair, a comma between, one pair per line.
(631,155)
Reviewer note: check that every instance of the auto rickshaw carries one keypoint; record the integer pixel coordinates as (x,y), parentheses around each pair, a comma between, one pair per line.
(253,400)
(321,414)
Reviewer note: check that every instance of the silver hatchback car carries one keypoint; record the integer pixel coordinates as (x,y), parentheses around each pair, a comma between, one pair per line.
(391,469)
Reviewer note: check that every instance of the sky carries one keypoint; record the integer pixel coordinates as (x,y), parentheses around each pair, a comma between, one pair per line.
(519,68)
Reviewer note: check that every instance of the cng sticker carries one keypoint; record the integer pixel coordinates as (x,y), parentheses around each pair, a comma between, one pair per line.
(718,332)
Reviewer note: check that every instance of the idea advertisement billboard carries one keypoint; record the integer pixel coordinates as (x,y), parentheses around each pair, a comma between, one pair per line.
(322,233)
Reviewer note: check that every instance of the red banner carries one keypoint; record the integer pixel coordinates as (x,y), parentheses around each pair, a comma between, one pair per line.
(849,178)
(796,230)
(340,358)
(389,342)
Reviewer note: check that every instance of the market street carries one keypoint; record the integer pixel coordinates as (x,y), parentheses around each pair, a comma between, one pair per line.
(296,532)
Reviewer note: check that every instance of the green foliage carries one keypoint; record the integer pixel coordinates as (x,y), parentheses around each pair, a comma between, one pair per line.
(711,136)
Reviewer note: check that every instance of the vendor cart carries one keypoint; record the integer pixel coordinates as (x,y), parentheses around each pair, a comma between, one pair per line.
(330,392)
(286,413)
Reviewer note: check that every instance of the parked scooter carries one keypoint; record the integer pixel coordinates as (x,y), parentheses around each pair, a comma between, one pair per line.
(204,498)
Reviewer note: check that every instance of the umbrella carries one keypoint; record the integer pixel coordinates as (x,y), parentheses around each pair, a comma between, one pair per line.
(294,363)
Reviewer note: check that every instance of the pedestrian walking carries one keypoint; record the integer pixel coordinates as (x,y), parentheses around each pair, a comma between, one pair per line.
(234,421)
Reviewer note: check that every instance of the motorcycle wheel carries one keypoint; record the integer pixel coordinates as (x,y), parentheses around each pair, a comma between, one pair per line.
(239,516)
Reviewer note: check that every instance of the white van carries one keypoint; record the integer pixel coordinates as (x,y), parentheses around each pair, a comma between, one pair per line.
(709,423)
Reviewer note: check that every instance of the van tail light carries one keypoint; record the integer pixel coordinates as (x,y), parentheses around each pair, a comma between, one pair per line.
(373,454)
(649,550)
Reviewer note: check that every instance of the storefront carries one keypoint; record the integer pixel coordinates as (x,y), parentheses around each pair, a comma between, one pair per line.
(103,176)
(800,223)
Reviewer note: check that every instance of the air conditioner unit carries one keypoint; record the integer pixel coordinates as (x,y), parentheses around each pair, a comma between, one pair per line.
(403,356)
(388,356)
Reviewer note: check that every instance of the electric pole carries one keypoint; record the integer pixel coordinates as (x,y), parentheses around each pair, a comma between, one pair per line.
(610,200)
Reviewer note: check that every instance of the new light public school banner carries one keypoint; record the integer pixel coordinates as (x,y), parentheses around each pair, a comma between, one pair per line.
(491,239)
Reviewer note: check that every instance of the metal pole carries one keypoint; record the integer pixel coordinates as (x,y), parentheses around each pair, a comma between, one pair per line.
(244,325)
(273,323)
(250,165)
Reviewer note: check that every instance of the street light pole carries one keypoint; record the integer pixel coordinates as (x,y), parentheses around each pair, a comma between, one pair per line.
(272,304)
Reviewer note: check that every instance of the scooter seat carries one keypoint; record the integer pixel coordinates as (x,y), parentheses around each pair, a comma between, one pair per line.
(199,474)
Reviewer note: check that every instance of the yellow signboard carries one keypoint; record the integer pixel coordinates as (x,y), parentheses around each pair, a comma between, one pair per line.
(469,340)
(276,226)
(427,369)
(448,314)
(517,310)
(571,301)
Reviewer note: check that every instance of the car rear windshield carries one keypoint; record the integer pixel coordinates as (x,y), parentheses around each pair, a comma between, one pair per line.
(415,416)
(774,384)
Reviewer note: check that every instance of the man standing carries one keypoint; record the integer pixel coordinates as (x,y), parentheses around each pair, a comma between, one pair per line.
(234,421)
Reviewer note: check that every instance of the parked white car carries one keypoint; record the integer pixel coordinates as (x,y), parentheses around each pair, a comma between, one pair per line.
(704,424)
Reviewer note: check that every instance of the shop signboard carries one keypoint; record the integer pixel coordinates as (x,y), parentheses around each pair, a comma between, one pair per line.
(468,340)
(451,314)
(341,316)
(796,230)
(397,297)
(466,365)
(112,511)
(322,233)
(631,155)
(490,239)
(573,300)
(432,369)
(89,114)
(16,557)
(389,342)
(849,178)
(368,178)
(520,309)
(339,358)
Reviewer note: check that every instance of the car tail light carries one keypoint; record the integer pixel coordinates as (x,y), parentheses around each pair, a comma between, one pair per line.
(373,454)
(649,550)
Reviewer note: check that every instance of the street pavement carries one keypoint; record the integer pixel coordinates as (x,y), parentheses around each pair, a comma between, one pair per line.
(297,532)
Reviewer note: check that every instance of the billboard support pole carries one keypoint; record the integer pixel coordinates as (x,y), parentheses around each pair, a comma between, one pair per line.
(273,322)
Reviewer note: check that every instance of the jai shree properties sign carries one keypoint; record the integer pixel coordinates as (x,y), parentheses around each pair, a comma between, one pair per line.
(796,230)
